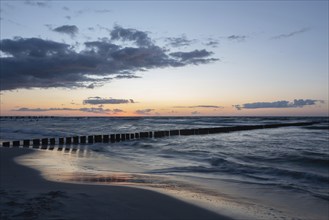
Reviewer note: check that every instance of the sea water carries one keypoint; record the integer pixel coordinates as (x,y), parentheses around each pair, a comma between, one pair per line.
(280,173)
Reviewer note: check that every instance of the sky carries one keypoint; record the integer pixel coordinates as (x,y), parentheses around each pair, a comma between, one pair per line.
(164,58)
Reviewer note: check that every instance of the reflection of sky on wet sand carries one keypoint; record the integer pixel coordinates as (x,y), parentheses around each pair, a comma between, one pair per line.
(77,166)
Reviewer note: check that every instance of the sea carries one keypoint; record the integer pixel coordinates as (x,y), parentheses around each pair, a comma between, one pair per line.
(278,173)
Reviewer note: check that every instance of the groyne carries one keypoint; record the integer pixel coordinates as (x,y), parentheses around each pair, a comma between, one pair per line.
(44,143)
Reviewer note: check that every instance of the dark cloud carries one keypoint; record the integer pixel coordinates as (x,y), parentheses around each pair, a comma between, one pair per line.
(99,101)
(237,37)
(127,76)
(37,3)
(144,111)
(96,110)
(91,110)
(193,57)
(179,41)
(24,109)
(297,103)
(38,63)
(199,106)
(300,31)
(212,43)
(71,30)
(127,34)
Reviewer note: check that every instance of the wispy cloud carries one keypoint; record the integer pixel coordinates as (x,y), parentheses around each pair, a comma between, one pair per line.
(102,11)
(297,103)
(87,10)
(147,111)
(195,113)
(71,30)
(127,76)
(39,63)
(199,106)
(212,43)
(141,38)
(291,34)
(101,110)
(99,101)
(37,3)
(237,37)
(90,110)
(193,57)
(179,41)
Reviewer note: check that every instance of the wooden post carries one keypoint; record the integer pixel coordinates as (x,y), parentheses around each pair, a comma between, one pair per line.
(6,144)
(83,139)
(90,139)
(16,143)
(52,141)
(60,141)
(36,143)
(106,138)
(112,138)
(76,140)
(68,140)
(26,143)
(98,138)
(118,137)
(44,141)
(174,132)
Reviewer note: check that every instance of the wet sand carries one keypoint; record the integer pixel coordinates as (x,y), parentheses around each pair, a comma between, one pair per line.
(26,195)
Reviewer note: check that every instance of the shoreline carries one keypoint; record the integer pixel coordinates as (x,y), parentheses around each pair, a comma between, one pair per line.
(26,195)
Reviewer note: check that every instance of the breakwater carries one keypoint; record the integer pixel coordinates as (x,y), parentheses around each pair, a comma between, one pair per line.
(112,138)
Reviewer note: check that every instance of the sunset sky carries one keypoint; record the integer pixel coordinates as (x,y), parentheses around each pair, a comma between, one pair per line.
(164,58)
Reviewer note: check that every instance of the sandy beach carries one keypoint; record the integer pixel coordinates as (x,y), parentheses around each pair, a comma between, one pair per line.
(26,195)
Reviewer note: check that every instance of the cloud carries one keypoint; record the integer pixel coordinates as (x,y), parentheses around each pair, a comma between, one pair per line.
(102,11)
(68,17)
(195,113)
(179,41)
(199,106)
(88,10)
(96,110)
(38,63)
(300,31)
(37,3)
(127,76)
(127,34)
(297,103)
(144,111)
(71,30)
(212,43)
(237,37)
(24,109)
(98,101)
(90,110)
(193,57)
(66,8)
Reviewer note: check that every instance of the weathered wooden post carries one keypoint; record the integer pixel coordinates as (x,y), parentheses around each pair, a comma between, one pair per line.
(16,143)
(26,143)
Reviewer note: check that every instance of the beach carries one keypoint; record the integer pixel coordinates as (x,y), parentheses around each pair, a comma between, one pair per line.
(26,195)
(274,173)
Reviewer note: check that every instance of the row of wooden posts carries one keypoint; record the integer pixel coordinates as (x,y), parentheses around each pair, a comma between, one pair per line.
(112,138)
